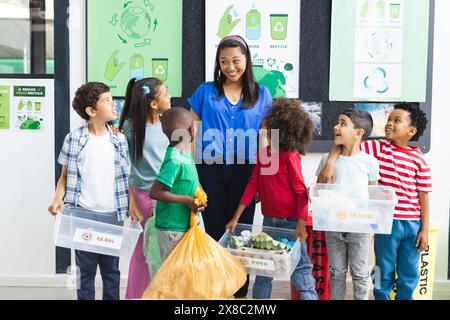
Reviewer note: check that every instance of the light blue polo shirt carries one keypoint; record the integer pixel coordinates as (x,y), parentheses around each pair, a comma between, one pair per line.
(143,172)
(228,130)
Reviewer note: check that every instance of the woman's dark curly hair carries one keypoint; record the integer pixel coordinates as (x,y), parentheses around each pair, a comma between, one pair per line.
(293,122)
(418,117)
(87,96)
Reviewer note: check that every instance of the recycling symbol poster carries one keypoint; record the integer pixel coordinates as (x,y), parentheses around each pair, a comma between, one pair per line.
(379,50)
(271,29)
(24,104)
(134,39)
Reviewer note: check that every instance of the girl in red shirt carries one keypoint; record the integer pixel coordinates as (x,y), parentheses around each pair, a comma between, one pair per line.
(278,179)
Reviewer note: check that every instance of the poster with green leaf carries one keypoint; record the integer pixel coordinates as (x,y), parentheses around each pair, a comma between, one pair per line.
(134,39)
(272,32)
(4,107)
(379,50)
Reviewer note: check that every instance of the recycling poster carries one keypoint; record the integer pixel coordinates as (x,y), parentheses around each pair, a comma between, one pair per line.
(24,104)
(134,39)
(4,107)
(379,50)
(272,33)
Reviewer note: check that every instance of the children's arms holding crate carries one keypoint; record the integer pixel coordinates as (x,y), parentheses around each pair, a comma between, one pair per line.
(57,204)
(135,211)
(326,175)
(251,190)
(231,225)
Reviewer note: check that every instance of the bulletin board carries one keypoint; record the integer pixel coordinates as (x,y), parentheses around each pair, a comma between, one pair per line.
(129,39)
(314,77)
(315,37)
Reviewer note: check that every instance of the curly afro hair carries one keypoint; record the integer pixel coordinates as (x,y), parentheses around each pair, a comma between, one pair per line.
(418,117)
(87,96)
(293,122)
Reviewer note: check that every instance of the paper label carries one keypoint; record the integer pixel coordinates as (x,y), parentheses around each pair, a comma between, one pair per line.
(98,239)
(260,264)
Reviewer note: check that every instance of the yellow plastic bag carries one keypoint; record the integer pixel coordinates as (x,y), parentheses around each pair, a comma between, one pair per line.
(198,268)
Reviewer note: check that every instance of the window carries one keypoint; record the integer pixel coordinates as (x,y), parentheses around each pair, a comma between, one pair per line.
(26,40)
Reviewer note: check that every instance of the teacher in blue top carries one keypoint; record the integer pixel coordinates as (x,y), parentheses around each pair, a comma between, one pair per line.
(230,110)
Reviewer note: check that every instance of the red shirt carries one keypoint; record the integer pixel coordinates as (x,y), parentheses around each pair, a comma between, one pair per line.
(283,192)
(406,171)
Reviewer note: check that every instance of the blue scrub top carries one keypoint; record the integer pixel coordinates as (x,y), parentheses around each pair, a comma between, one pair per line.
(225,126)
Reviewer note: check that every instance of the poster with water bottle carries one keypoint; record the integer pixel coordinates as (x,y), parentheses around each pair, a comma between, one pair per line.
(24,105)
(28,104)
(272,31)
(129,39)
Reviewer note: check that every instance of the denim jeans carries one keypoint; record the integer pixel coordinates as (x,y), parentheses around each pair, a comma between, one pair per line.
(109,269)
(302,277)
(397,252)
(87,262)
(346,250)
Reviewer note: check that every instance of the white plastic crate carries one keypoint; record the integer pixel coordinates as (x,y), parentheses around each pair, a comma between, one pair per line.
(271,263)
(346,208)
(93,236)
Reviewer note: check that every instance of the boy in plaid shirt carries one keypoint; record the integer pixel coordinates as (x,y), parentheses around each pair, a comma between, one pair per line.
(94,182)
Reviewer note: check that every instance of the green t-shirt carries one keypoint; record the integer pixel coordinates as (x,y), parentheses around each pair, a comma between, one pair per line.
(179,174)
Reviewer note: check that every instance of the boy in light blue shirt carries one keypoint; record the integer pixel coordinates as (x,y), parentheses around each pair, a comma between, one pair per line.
(356,168)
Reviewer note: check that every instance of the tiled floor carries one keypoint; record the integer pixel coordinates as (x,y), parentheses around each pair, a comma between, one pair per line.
(281,290)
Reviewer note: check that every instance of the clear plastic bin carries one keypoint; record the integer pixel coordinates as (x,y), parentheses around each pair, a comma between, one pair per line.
(272,263)
(93,236)
(346,208)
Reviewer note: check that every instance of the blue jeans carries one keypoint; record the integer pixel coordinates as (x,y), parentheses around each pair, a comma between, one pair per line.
(301,278)
(109,269)
(87,262)
(397,252)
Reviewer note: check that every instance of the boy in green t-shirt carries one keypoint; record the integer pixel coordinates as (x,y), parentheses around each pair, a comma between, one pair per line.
(177,181)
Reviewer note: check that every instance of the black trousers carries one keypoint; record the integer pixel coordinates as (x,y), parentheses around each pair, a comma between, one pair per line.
(225,185)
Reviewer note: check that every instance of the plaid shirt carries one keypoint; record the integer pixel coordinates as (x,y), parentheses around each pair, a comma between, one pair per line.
(69,156)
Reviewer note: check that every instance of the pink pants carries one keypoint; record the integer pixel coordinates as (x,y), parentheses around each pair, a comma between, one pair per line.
(138,274)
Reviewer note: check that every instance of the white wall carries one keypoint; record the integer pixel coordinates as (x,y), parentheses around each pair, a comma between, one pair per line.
(26,246)
(439,155)
(26,188)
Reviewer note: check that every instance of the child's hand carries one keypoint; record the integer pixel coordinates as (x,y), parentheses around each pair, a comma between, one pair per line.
(301,233)
(422,240)
(57,206)
(194,207)
(326,175)
(135,213)
(231,225)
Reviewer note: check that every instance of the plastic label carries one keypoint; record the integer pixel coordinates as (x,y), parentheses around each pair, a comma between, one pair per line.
(98,239)
(355,217)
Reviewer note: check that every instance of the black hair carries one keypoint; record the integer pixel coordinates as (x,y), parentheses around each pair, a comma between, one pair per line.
(250,88)
(418,117)
(140,93)
(293,122)
(361,120)
(173,119)
(87,96)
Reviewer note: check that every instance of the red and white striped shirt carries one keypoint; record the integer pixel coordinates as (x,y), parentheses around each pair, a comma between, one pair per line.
(405,170)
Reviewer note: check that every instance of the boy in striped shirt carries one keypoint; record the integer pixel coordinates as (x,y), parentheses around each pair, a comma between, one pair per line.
(403,168)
